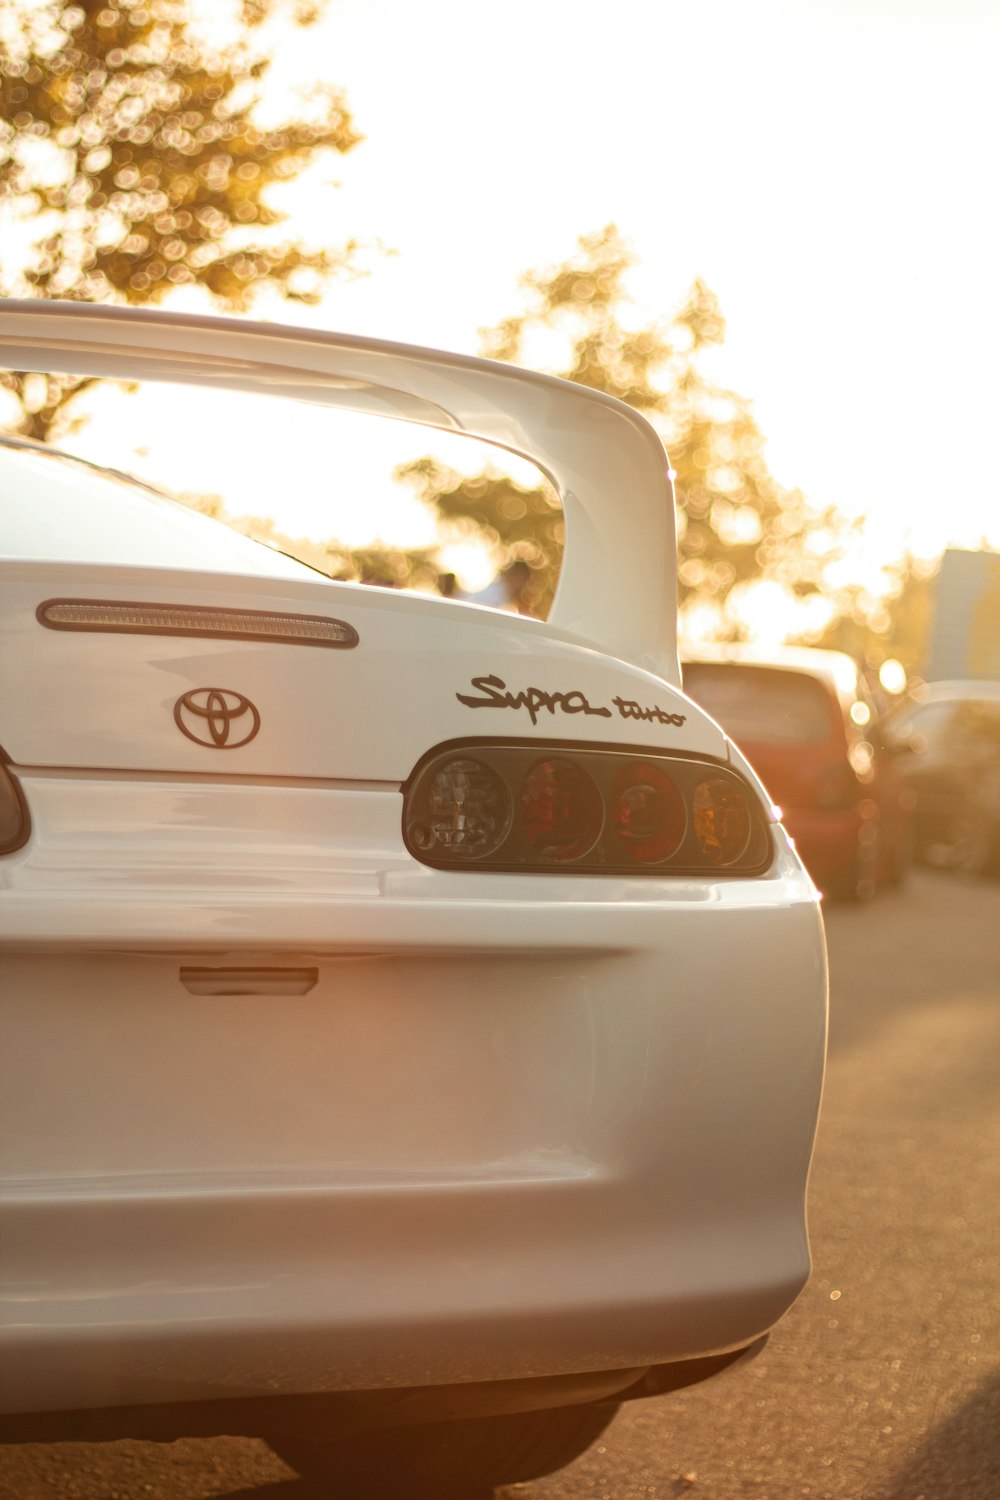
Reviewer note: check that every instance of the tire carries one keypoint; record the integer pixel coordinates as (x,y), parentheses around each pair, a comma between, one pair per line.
(462,1460)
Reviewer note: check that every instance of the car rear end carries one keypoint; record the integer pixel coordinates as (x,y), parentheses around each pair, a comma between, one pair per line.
(395,994)
(946,737)
(791,714)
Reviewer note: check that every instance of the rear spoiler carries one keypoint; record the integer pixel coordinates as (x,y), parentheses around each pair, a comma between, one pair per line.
(618,587)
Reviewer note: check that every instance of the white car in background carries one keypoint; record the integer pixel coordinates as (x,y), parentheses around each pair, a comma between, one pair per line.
(413,1015)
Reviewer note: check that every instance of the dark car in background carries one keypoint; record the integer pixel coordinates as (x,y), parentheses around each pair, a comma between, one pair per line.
(810,728)
(949,733)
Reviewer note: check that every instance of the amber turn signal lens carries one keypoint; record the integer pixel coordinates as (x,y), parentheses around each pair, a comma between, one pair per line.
(722,820)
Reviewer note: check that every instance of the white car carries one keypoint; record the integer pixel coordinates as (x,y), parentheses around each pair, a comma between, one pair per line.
(413,1015)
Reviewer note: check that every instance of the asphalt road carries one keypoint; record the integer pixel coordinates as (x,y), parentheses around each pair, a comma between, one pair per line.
(883,1383)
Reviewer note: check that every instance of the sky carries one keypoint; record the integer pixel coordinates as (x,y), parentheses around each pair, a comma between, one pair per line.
(829,167)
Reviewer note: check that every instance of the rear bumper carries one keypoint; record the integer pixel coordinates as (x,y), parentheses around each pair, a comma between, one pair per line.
(452,1161)
(346,1414)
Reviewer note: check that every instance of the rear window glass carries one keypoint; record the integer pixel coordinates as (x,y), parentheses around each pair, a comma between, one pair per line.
(761,705)
(56,507)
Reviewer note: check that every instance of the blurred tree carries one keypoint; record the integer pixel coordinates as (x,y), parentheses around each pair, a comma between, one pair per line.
(387,567)
(133,159)
(895,623)
(735,521)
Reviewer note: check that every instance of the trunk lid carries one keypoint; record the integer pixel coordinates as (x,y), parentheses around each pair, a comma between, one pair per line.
(129,620)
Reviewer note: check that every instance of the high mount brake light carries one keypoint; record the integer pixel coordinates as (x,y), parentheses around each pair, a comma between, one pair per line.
(517,806)
(121,617)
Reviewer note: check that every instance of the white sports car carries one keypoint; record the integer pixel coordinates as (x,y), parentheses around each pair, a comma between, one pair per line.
(413,1015)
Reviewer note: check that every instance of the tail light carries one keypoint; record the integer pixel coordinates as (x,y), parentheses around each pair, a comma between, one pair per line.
(722,820)
(466,810)
(15,824)
(561,810)
(515,806)
(648,813)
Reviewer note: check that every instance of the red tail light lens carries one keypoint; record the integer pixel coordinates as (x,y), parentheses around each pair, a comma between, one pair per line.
(561,810)
(647,812)
(517,806)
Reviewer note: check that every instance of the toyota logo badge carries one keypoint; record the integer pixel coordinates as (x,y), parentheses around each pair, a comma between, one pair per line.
(216,717)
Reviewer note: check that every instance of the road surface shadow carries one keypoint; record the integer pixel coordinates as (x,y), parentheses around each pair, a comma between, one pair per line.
(961,1458)
(301,1489)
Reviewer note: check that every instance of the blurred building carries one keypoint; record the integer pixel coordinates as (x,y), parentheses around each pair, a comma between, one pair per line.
(965,631)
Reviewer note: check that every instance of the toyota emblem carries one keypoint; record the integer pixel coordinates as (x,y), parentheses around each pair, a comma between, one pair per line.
(216,717)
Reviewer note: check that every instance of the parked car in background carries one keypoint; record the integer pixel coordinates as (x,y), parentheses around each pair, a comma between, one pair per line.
(809,726)
(413,1014)
(948,736)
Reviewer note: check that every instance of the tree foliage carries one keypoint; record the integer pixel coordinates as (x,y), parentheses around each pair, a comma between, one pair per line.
(386,567)
(133,159)
(735,521)
(895,622)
